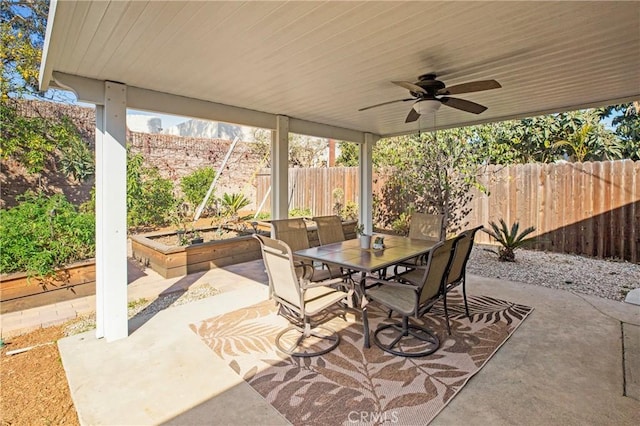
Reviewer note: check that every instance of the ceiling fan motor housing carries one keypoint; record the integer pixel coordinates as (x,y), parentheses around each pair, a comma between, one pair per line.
(429,83)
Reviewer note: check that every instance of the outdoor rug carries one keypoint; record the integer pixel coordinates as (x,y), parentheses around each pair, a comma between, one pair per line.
(355,385)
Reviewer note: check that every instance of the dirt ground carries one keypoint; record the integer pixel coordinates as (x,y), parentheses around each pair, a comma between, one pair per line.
(33,385)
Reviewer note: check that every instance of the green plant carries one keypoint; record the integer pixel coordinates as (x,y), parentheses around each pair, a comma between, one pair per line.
(359,229)
(401,224)
(509,238)
(338,198)
(350,211)
(150,199)
(76,159)
(263,216)
(232,203)
(43,233)
(195,186)
(299,212)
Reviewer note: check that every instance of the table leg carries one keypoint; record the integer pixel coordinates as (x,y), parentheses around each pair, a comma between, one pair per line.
(363,306)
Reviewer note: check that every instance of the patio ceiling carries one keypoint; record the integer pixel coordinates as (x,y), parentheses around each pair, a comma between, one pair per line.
(322,61)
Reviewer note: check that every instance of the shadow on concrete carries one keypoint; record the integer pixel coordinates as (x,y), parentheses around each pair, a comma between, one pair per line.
(164,300)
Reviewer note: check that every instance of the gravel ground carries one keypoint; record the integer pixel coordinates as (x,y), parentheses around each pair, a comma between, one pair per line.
(144,307)
(597,277)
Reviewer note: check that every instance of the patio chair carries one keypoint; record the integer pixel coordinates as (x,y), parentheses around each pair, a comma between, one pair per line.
(294,233)
(413,299)
(458,270)
(329,229)
(425,226)
(299,299)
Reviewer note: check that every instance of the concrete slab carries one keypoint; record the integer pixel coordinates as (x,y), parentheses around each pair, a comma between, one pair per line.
(633,296)
(162,371)
(631,344)
(564,365)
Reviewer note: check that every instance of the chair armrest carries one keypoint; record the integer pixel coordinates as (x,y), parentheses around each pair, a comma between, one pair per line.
(387,282)
(308,284)
(307,270)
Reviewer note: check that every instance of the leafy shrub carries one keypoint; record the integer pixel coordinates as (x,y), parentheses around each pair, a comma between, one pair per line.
(33,141)
(195,186)
(263,216)
(42,233)
(150,199)
(298,212)
(350,211)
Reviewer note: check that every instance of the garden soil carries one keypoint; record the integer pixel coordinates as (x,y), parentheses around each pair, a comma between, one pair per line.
(33,384)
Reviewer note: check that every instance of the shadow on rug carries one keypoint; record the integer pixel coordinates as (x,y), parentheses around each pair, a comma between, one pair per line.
(354,385)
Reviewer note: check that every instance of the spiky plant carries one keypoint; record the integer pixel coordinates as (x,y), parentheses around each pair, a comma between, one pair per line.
(232,203)
(509,238)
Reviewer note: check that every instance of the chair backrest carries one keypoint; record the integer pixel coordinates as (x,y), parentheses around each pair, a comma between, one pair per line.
(461,255)
(438,262)
(291,231)
(329,229)
(278,261)
(425,226)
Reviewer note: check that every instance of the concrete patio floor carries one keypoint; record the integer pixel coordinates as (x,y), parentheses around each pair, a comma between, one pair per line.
(564,364)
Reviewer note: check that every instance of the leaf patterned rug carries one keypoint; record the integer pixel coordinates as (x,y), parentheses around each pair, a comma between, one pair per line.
(354,385)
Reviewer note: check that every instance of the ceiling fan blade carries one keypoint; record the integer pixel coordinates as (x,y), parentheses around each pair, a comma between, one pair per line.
(410,86)
(463,105)
(386,103)
(472,86)
(413,116)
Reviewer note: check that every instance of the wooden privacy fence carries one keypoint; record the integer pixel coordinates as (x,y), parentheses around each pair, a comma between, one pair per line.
(583,208)
(312,188)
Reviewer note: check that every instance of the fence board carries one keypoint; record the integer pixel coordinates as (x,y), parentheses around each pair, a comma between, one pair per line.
(584,208)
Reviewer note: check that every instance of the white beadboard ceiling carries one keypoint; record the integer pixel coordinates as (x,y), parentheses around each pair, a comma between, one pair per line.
(322,61)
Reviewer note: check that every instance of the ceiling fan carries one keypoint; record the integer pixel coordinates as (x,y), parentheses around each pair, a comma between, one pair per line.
(429,93)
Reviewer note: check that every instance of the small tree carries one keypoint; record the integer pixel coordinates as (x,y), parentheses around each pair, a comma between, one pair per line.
(150,199)
(195,186)
(431,173)
(349,154)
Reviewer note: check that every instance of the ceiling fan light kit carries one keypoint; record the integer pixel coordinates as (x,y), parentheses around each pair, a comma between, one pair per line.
(429,93)
(427,106)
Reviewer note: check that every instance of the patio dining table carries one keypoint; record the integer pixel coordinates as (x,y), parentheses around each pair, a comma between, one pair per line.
(349,255)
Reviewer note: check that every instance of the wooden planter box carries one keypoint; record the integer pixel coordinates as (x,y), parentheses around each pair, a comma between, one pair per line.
(18,292)
(176,261)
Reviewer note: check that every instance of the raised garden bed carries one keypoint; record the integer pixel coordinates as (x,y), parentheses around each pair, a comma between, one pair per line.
(160,252)
(19,292)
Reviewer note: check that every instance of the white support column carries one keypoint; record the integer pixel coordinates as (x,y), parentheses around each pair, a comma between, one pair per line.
(365,210)
(101,277)
(280,169)
(111,215)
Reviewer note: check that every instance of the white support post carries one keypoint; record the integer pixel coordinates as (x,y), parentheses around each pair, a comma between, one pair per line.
(280,168)
(111,214)
(101,277)
(365,211)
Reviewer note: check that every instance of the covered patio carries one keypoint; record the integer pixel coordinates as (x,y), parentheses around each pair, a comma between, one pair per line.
(562,366)
(309,67)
